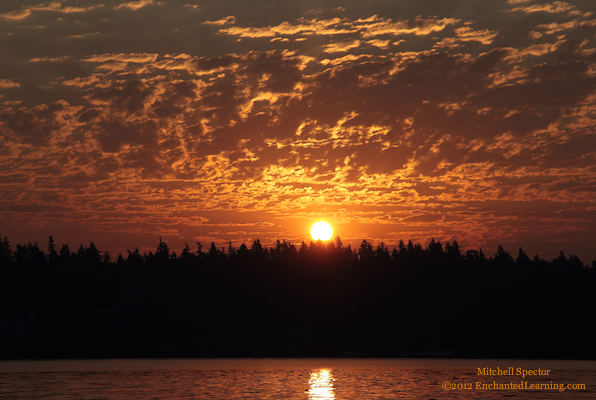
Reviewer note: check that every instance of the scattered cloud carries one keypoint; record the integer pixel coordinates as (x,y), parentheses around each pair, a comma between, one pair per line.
(229,20)
(552,8)
(367,28)
(342,46)
(467,34)
(136,5)
(55,6)
(382,44)
(7,83)
(49,59)
(16,15)
(375,26)
(306,27)
(389,125)
(132,57)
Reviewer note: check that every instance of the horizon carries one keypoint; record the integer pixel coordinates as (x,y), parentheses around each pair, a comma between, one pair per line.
(227,248)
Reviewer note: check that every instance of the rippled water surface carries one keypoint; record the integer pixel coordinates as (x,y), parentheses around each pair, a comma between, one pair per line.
(289,379)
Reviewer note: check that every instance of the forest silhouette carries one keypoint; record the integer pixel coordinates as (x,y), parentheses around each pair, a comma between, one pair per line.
(321,299)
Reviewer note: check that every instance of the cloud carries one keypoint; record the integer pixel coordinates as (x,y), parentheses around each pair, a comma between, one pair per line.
(49,59)
(136,5)
(382,44)
(16,15)
(307,27)
(87,81)
(40,124)
(367,28)
(82,35)
(467,34)
(342,46)
(536,50)
(552,8)
(484,142)
(7,83)
(375,26)
(229,20)
(57,6)
(131,57)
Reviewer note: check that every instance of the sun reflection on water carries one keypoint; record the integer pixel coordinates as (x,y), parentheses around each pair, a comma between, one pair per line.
(321,385)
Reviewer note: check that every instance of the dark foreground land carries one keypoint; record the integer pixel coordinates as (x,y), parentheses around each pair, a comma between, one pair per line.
(321,300)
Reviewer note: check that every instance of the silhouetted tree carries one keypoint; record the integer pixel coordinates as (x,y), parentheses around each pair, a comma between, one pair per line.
(303,250)
(134,259)
(366,252)
(187,257)
(453,253)
(209,309)
(435,253)
(6,255)
(53,257)
(522,258)
(259,254)
(65,255)
(106,259)
(243,252)
(231,250)
(91,255)
(200,253)
(163,251)
(30,255)
(120,261)
(503,258)
(215,256)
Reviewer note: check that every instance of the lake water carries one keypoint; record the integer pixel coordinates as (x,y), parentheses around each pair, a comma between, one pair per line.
(307,379)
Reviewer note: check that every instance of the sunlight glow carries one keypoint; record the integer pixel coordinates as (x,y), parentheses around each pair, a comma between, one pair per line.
(321,385)
(321,231)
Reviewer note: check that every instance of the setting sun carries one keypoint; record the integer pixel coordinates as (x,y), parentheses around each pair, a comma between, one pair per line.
(321,231)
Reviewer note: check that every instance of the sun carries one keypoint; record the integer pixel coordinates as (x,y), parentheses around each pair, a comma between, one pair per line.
(321,231)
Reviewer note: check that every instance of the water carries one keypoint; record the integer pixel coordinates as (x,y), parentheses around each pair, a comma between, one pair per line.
(306,379)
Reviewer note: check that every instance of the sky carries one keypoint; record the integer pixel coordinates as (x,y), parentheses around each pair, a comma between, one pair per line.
(231,120)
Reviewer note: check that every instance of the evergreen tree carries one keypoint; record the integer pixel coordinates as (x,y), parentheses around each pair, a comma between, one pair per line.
(135,259)
(6,255)
(366,252)
(53,257)
(163,251)
(522,258)
(503,258)
(65,254)
(187,257)
(92,255)
(453,253)
(120,261)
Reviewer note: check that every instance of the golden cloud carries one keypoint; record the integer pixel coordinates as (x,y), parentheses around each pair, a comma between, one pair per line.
(229,20)
(552,8)
(122,57)
(16,15)
(136,5)
(7,83)
(375,26)
(467,34)
(342,46)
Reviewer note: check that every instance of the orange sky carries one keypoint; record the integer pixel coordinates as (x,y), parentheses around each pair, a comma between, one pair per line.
(121,122)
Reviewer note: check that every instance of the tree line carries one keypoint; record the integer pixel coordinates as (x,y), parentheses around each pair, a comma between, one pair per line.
(31,254)
(316,299)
